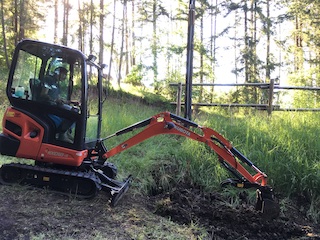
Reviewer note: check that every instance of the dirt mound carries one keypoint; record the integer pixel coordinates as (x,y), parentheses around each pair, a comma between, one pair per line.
(224,221)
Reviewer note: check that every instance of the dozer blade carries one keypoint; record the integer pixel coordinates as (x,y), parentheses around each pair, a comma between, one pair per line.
(119,193)
(116,188)
(267,203)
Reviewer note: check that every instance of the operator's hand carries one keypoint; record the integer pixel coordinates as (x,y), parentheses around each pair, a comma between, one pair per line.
(68,104)
(59,101)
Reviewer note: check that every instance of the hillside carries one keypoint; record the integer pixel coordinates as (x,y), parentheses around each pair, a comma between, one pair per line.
(164,202)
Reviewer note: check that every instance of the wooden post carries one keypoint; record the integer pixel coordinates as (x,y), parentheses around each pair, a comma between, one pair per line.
(271,88)
(179,94)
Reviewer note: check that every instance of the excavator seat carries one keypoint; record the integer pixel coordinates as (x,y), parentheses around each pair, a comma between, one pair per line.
(62,126)
(35,88)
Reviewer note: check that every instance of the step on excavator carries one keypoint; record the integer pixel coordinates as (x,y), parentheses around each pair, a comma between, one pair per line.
(56,97)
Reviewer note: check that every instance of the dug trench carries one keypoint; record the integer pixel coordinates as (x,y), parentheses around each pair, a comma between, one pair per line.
(223,220)
(30,213)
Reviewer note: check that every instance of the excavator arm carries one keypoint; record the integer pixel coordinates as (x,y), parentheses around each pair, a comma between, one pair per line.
(230,157)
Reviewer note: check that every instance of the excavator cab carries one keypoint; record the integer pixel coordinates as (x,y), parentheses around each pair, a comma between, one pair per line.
(55,94)
(48,90)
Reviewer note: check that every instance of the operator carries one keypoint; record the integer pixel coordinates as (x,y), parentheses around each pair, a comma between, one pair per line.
(51,85)
(51,92)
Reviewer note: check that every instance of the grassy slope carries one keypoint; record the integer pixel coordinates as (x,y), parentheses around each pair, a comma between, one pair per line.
(285,146)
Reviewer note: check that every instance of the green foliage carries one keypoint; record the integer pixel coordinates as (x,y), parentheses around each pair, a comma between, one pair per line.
(135,76)
(141,95)
(305,99)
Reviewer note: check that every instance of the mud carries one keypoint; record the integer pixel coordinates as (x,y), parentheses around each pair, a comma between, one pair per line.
(224,220)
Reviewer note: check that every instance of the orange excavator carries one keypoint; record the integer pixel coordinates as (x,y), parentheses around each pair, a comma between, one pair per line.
(56,96)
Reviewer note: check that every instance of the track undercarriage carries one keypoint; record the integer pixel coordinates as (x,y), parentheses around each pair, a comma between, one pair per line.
(82,182)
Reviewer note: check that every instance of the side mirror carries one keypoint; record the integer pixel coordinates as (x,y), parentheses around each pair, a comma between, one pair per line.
(92,58)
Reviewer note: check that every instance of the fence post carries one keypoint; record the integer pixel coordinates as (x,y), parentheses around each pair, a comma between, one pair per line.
(189,72)
(179,94)
(271,88)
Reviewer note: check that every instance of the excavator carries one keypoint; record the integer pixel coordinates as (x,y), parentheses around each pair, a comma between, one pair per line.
(62,137)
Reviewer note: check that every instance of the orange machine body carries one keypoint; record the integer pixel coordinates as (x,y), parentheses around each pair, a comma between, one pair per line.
(29,134)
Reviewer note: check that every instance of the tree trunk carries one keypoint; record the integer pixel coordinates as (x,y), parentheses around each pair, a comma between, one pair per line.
(246,39)
(16,21)
(268,43)
(80,29)
(213,44)
(55,26)
(22,20)
(133,50)
(154,45)
(253,45)
(91,26)
(65,22)
(126,42)
(4,36)
(101,32)
(236,46)
(112,40)
(124,13)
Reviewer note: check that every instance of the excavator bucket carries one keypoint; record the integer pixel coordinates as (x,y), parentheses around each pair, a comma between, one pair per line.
(267,203)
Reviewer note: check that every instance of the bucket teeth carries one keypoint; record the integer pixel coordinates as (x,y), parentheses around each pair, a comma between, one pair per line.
(267,203)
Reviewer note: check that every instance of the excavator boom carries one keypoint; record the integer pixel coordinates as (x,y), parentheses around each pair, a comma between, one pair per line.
(230,157)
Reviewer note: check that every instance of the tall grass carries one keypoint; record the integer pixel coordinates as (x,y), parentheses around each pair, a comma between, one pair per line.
(285,146)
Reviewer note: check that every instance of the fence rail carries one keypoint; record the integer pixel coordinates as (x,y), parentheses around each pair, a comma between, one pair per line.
(269,107)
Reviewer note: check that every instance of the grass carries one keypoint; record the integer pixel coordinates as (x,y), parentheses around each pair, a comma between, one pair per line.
(284,145)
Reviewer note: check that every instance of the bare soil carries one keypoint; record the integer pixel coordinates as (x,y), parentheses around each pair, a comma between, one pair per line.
(224,221)
(184,213)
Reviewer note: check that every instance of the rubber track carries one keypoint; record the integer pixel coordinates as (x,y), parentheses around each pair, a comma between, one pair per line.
(60,177)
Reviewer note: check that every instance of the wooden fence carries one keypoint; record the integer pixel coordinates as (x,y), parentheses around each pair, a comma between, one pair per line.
(269,107)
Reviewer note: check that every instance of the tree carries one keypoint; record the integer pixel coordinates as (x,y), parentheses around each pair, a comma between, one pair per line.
(306,50)
(66,9)
(112,39)
(81,28)
(150,13)
(133,36)
(4,36)
(56,18)
(124,15)
(101,26)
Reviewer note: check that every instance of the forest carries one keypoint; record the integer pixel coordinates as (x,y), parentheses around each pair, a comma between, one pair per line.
(143,42)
